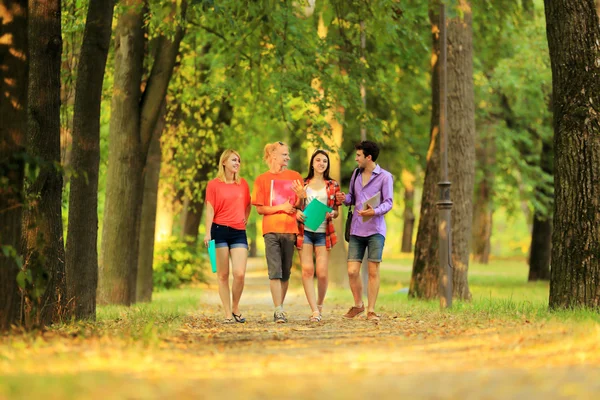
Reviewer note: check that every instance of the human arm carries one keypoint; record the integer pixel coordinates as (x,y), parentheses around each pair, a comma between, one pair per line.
(387,198)
(286,207)
(210,215)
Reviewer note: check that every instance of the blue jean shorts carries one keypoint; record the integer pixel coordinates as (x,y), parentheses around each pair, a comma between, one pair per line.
(358,244)
(316,239)
(226,236)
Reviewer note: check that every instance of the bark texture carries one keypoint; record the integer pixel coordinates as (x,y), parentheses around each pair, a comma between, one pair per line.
(483,204)
(42,220)
(133,120)
(148,221)
(461,167)
(573,34)
(426,270)
(461,142)
(118,255)
(13,130)
(408,181)
(541,235)
(82,236)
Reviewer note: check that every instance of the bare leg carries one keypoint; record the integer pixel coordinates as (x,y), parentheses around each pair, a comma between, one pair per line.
(276,291)
(355,282)
(308,273)
(223,279)
(284,288)
(373,288)
(322,273)
(239,256)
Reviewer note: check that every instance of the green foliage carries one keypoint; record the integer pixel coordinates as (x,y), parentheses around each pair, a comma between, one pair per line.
(177,263)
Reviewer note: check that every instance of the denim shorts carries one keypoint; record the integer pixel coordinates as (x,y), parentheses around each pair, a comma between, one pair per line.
(317,239)
(358,245)
(226,236)
(279,249)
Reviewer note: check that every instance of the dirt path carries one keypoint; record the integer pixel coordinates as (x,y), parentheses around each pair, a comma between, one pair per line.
(399,356)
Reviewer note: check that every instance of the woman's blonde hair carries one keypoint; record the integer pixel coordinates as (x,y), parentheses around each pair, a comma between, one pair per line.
(269,149)
(224,157)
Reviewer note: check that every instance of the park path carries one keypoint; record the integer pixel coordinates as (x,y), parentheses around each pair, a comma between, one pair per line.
(402,355)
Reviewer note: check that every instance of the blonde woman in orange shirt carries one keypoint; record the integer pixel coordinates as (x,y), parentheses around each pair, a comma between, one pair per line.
(227,211)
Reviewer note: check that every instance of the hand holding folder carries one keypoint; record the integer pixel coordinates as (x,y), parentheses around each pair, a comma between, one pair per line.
(374,202)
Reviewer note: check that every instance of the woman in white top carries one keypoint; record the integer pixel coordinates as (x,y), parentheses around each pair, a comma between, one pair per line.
(317,186)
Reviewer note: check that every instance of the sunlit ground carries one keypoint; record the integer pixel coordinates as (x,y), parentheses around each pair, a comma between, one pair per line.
(505,344)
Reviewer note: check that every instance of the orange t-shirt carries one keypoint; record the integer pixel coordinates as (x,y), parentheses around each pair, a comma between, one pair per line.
(229,200)
(261,196)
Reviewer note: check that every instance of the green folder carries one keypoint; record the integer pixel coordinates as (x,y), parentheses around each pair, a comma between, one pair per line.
(315,214)
(212,255)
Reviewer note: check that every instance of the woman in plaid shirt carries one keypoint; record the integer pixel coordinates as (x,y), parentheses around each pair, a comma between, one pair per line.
(317,185)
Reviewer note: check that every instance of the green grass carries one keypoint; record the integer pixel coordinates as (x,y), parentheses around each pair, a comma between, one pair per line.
(499,291)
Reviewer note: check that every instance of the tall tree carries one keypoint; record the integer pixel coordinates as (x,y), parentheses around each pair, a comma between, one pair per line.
(461,160)
(148,217)
(573,31)
(408,181)
(13,127)
(483,198)
(426,270)
(541,233)
(82,236)
(134,115)
(42,219)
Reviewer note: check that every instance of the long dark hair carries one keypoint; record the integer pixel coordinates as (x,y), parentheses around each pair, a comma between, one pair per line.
(311,169)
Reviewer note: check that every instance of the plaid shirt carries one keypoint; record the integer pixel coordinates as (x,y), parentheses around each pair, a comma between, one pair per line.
(332,188)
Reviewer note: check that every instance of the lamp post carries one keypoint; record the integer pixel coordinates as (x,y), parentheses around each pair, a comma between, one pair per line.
(444,205)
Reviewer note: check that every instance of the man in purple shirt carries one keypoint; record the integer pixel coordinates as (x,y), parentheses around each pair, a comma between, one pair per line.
(368,224)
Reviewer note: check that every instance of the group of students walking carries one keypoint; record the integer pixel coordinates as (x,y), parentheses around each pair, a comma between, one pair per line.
(228,206)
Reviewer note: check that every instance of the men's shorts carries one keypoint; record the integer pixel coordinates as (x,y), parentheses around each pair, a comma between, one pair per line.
(279,250)
(226,236)
(316,239)
(358,244)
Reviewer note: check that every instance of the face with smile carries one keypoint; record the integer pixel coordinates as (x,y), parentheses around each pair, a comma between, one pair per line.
(232,164)
(361,160)
(320,163)
(280,157)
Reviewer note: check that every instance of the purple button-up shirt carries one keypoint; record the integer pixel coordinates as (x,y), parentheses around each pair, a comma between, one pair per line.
(381,181)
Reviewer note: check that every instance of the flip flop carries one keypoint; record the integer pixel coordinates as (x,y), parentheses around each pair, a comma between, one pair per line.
(239,318)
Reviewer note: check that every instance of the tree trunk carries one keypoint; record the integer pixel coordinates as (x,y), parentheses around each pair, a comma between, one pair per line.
(461,160)
(408,180)
(192,220)
(148,220)
(426,269)
(133,119)
(42,220)
(573,35)
(82,237)
(541,236)
(483,207)
(461,142)
(118,255)
(13,132)
(338,272)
